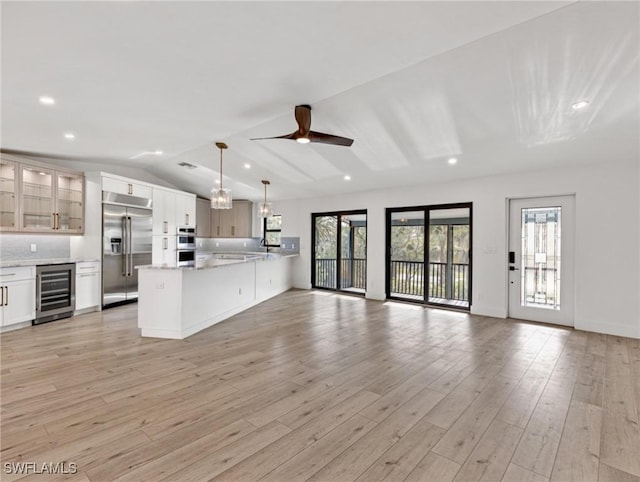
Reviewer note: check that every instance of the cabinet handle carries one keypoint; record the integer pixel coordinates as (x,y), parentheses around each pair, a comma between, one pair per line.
(233,230)
(165,227)
(130,186)
(6,298)
(187,218)
(218,230)
(1,295)
(84,275)
(58,221)
(8,274)
(53,220)
(165,243)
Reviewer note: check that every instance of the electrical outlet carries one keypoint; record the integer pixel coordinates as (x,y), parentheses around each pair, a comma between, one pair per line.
(34,247)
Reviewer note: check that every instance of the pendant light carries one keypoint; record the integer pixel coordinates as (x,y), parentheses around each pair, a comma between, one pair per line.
(220,197)
(265,209)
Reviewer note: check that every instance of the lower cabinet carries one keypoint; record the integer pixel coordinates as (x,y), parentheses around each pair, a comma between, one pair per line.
(17,295)
(88,293)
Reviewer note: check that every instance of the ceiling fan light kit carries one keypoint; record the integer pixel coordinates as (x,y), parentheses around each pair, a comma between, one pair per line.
(265,209)
(304,134)
(221,197)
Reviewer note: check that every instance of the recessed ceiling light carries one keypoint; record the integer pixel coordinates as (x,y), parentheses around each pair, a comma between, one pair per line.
(46,100)
(303,140)
(158,153)
(580,104)
(247,166)
(42,173)
(69,135)
(452,160)
(347,177)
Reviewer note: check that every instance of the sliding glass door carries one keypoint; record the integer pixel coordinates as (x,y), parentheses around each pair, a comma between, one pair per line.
(340,251)
(430,265)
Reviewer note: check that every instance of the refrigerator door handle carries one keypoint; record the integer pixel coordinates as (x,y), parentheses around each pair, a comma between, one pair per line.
(125,259)
(130,245)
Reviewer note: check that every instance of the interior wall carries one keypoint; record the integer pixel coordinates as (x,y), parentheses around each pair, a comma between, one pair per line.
(607,259)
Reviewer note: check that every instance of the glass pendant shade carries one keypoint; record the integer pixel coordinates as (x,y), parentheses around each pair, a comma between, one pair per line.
(265,210)
(221,198)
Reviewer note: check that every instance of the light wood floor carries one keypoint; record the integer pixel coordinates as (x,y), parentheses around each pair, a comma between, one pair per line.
(321,386)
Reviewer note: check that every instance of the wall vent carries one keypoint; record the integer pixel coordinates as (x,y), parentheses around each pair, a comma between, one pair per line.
(187,165)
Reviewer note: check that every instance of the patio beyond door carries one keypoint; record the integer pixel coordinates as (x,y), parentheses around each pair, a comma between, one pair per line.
(340,251)
(430,265)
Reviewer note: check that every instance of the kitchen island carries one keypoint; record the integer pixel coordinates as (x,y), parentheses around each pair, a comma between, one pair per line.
(176,302)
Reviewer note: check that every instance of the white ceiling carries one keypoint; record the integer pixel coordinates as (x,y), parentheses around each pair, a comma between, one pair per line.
(414,83)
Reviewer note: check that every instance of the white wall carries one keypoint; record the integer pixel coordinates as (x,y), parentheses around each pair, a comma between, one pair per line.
(607,260)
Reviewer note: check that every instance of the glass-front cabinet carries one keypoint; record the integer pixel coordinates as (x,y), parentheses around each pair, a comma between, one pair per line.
(38,199)
(8,204)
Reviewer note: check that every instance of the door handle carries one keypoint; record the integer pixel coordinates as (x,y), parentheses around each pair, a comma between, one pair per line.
(129,245)
(125,259)
(38,291)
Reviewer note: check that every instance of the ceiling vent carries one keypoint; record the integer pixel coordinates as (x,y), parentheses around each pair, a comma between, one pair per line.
(187,165)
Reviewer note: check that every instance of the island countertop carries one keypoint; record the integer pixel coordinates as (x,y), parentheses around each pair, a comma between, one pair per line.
(216,260)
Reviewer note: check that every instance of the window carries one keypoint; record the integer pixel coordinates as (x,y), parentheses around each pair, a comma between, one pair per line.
(272,229)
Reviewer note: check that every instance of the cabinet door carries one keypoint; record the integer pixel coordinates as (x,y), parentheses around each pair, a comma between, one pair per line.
(203,218)
(37,190)
(189,210)
(19,301)
(118,186)
(87,290)
(8,193)
(242,214)
(164,213)
(140,190)
(163,250)
(69,193)
(221,223)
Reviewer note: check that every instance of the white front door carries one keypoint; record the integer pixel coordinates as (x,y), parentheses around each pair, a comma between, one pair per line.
(541,247)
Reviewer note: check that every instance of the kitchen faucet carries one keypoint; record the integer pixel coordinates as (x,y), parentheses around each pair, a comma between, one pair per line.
(263,243)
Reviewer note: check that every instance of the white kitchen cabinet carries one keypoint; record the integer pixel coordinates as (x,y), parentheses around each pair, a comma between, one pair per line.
(121,185)
(88,285)
(172,209)
(8,195)
(203,218)
(233,223)
(163,250)
(17,295)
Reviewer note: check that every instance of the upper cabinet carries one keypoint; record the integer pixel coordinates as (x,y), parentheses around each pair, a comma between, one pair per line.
(38,199)
(232,223)
(172,209)
(8,195)
(203,218)
(125,186)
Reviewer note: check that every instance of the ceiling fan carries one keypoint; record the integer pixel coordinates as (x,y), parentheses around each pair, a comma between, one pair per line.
(304,134)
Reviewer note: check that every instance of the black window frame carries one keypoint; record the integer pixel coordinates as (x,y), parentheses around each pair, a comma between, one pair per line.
(265,231)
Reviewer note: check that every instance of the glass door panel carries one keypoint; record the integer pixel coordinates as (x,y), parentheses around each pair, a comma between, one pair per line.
(69,197)
(326,251)
(406,269)
(37,199)
(353,250)
(8,214)
(449,253)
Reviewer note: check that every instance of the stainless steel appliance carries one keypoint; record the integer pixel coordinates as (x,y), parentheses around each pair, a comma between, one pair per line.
(186,246)
(186,237)
(126,243)
(55,292)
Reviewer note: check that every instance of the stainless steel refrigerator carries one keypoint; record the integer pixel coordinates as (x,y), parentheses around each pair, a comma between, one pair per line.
(126,239)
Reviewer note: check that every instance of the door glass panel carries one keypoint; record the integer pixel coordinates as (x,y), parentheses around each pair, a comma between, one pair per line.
(326,251)
(540,258)
(37,195)
(407,255)
(7,194)
(70,202)
(353,249)
(449,256)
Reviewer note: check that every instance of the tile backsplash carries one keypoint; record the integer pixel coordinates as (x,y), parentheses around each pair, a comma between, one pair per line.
(17,247)
(289,245)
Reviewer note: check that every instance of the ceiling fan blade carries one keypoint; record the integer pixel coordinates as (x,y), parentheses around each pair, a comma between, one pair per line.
(286,136)
(303,118)
(329,139)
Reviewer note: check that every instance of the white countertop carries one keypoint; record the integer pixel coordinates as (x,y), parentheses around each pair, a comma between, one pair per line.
(40,262)
(220,259)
